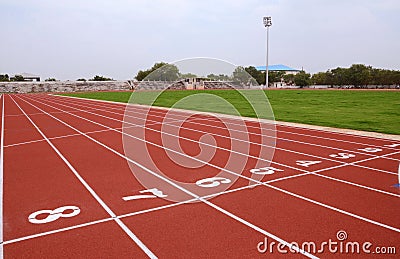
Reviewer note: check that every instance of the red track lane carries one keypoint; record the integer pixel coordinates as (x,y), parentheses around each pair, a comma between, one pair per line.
(382,163)
(107,174)
(40,180)
(195,138)
(16,125)
(176,170)
(90,162)
(299,220)
(316,147)
(104,240)
(320,150)
(347,197)
(395,156)
(280,155)
(77,165)
(196,231)
(338,136)
(186,175)
(338,144)
(317,134)
(364,176)
(36,179)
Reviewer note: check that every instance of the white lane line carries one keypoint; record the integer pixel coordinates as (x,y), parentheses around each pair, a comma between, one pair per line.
(256,134)
(72,135)
(91,191)
(248,224)
(15,240)
(211,115)
(99,115)
(58,137)
(223,169)
(319,175)
(316,174)
(337,209)
(144,211)
(1,175)
(30,114)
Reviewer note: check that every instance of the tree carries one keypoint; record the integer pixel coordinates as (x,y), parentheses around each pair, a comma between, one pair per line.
(241,77)
(256,74)
(319,78)
(4,78)
(359,75)
(275,76)
(159,72)
(17,78)
(100,78)
(81,79)
(50,80)
(289,79)
(167,72)
(302,79)
(341,76)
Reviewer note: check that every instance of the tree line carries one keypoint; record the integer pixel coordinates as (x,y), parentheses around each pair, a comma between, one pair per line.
(241,75)
(358,75)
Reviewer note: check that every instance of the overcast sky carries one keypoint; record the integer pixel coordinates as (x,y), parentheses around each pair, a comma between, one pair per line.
(82,38)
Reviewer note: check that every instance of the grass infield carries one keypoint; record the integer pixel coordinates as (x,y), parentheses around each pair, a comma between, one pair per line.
(367,110)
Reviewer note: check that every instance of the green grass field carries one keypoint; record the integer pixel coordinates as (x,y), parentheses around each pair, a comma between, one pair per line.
(377,111)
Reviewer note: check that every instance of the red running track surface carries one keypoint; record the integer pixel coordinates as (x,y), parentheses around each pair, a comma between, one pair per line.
(70,189)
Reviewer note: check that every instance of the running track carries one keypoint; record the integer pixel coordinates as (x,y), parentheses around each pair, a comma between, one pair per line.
(64,175)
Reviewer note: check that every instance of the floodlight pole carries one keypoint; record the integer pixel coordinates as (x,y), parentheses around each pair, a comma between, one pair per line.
(267,23)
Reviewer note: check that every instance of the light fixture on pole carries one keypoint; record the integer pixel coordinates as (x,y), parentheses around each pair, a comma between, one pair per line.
(267,23)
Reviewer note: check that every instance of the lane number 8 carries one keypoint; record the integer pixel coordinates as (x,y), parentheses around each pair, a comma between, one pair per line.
(53,214)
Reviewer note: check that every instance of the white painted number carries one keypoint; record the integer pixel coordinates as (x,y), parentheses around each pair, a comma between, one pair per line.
(155,194)
(306,163)
(370,149)
(53,214)
(342,155)
(212,182)
(265,170)
(392,145)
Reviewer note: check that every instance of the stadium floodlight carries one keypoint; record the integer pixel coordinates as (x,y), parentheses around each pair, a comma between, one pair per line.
(267,23)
